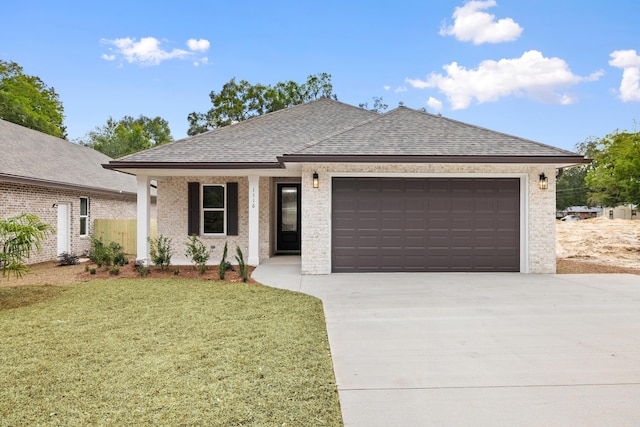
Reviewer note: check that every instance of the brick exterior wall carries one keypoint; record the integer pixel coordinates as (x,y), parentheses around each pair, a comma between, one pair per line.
(538,210)
(39,200)
(539,207)
(173,210)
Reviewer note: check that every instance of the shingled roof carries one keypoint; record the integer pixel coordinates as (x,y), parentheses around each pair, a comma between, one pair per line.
(33,157)
(330,131)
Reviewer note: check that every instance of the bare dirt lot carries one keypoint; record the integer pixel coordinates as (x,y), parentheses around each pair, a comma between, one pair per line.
(598,245)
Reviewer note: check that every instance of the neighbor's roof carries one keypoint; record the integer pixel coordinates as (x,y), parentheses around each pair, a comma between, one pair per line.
(330,131)
(33,157)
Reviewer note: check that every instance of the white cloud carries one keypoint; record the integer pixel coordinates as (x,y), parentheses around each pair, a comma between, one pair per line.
(435,104)
(471,24)
(400,89)
(532,75)
(387,87)
(148,51)
(201,45)
(629,61)
(203,61)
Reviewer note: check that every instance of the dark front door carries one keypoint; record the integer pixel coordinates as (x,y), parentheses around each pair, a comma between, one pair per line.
(288,217)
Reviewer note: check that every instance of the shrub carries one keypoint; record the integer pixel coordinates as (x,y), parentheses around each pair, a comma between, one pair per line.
(115,270)
(68,259)
(99,253)
(224,264)
(102,254)
(198,253)
(143,270)
(161,251)
(242,267)
(92,271)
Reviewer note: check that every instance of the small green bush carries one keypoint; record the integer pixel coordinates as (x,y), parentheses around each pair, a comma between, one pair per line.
(198,253)
(143,270)
(92,271)
(115,270)
(66,258)
(243,269)
(222,267)
(103,254)
(161,251)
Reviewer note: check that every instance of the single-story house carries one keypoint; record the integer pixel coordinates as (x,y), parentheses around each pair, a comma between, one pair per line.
(64,184)
(352,190)
(584,212)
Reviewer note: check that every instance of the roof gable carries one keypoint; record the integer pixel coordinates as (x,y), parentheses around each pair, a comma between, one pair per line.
(260,139)
(29,155)
(407,132)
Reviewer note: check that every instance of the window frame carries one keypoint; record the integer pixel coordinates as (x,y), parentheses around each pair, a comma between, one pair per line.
(84,217)
(225,205)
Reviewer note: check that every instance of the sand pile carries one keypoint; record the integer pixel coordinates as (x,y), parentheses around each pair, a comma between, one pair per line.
(600,240)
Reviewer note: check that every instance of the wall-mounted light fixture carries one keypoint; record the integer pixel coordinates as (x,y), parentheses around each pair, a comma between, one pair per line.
(55,205)
(543,183)
(315,180)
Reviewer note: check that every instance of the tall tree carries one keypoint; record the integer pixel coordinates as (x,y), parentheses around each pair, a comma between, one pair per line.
(615,174)
(28,101)
(571,189)
(119,138)
(240,100)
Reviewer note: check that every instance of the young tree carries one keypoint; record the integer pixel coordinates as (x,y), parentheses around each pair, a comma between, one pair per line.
(240,100)
(28,101)
(615,174)
(126,136)
(19,236)
(378,105)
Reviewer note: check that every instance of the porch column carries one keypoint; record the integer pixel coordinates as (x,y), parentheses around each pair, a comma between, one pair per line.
(144,218)
(253,257)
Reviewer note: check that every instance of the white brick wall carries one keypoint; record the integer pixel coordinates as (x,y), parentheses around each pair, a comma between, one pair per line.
(24,198)
(539,207)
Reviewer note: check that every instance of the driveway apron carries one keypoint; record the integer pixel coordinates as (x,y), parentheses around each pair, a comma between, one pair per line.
(483,349)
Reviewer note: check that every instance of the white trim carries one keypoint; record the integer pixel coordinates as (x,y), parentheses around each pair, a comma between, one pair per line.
(224,210)
(86,217)
(253,255)
(143,215)
(524,200)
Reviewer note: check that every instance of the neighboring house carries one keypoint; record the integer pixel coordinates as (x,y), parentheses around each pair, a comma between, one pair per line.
(621,212)
(352,190)
(584,212)
(64,184)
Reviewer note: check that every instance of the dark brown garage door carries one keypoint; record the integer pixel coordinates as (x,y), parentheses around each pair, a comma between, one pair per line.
(425,224)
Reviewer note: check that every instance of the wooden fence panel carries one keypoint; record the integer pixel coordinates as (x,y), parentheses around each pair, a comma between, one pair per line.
(122,231)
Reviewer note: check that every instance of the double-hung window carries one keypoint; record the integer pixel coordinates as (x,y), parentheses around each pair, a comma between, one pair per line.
(213,209)
(84,216)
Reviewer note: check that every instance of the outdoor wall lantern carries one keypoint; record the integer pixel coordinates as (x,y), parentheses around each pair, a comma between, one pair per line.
(543,183)
(315,180)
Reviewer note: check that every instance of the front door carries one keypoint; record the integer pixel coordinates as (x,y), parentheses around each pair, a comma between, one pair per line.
(288,217)
(63,229)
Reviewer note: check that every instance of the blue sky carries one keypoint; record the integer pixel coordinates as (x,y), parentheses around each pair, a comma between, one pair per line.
(552,71)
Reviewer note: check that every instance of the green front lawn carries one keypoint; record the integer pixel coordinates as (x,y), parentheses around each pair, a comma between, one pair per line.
(165,352)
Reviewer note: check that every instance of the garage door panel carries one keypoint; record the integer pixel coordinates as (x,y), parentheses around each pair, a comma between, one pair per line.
(426,224)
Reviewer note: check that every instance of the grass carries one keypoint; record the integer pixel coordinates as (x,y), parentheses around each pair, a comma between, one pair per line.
(166,352)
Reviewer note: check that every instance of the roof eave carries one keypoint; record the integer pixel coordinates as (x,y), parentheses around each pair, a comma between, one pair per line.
(359,158)
(62,185)
(123,166)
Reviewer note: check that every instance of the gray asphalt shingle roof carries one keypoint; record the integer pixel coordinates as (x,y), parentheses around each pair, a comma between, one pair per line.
(407,132)
(260,139)
(34,156)
(331,129)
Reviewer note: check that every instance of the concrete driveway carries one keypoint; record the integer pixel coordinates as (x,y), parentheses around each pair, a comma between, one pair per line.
(480,349)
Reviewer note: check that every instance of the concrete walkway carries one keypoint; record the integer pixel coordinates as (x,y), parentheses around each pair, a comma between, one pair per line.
(479,349)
